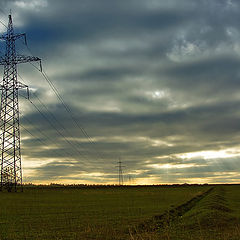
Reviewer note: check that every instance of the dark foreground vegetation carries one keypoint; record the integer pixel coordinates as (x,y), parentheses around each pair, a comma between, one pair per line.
(182,212)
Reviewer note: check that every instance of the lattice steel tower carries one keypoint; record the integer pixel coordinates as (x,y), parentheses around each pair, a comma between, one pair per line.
(11,169)
(120,173)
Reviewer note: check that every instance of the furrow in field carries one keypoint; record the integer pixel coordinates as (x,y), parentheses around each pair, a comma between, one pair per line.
(211,215)
(164,219)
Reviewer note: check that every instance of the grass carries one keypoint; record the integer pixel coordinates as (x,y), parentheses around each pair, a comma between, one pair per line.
(87,213)
(216,216)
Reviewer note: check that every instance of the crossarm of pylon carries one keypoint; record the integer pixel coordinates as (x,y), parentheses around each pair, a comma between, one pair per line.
(18,86)
(14,37)
(21,85)
(25,59)
(20,59)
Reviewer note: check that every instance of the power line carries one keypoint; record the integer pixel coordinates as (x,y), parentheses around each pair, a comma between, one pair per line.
(52,115)
(39,140)
(59,133)
(44,135)
(3,24)
(56,120)
(66,107)
(2,21)
(52,125)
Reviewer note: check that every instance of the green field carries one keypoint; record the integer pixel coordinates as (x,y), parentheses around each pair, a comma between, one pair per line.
(120,213)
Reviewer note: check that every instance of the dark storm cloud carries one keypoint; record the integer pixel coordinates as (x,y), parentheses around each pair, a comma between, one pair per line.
(108,74)
(148,80)
(88,20)
(212,72)
(183,118)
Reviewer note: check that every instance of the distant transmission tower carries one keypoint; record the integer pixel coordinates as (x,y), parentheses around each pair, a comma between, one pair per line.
(120,173)
(11,169)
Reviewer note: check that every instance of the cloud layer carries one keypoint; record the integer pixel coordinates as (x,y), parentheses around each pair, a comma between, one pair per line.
(154,83)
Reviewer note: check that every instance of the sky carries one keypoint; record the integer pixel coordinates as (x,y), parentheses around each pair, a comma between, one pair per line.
(154,83)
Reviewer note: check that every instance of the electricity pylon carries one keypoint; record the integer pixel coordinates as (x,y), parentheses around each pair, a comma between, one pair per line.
(11,167)
(120,173)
